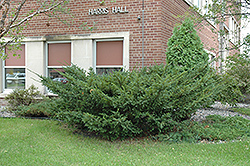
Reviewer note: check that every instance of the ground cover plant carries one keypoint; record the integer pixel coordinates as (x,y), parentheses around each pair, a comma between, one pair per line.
(43,142)
(213,128)
(42,108)
(22,97)
(244,111)
(29,102)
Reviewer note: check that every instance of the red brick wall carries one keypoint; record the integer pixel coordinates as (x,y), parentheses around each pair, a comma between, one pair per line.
(159,22)
(111,23)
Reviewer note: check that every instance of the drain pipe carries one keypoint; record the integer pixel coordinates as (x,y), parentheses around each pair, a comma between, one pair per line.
(142,33)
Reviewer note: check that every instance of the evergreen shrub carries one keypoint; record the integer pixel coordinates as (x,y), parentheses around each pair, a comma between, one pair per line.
(44,108)
(141,102)
(185,49)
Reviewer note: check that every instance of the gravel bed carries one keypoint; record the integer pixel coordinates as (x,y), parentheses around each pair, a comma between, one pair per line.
(219,109)
(6,113)
(202,113)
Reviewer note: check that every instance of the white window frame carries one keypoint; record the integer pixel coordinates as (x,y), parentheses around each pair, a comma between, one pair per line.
(198,3)
(47,55)
(7,91)
(109,66)
(47,59)
(202,5)
(234,30)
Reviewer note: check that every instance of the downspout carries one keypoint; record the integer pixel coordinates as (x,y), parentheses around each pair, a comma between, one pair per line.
(142,33)
(221,50)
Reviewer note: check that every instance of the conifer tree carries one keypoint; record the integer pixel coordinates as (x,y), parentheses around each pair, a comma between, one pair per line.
(185,48)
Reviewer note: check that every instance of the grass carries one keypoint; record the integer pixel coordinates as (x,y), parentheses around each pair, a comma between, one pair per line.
(244,111)
(43,142)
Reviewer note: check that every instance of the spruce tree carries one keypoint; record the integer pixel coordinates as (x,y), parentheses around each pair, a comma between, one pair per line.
(185,49)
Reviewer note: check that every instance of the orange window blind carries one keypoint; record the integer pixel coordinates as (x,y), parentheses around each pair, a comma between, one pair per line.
(109,53)
(16,60)
(59,54)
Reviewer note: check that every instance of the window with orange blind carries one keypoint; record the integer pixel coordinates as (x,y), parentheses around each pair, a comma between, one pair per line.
(109,56)
(14,69)
(58,55)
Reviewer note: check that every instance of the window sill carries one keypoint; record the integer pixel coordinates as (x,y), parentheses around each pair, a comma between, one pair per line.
(3,95)
(7,91)
(51,95)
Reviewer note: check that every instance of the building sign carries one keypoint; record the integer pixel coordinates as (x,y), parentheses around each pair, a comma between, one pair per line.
(105,11)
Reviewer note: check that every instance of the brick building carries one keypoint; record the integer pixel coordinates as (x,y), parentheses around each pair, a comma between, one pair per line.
(115,42)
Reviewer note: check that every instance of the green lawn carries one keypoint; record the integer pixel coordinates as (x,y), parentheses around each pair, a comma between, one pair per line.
(43,142)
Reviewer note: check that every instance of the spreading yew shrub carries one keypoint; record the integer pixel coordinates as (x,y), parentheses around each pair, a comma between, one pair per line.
(125,104)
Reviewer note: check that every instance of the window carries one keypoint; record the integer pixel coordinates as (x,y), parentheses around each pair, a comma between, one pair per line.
(202,5)
(109,56)
(14,69)
(197,3)
(234,29)
(58,55)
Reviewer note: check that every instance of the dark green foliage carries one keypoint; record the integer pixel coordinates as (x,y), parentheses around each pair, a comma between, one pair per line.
(185,49)
(43,108)
(137,103)
(22,97)
(214,128)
